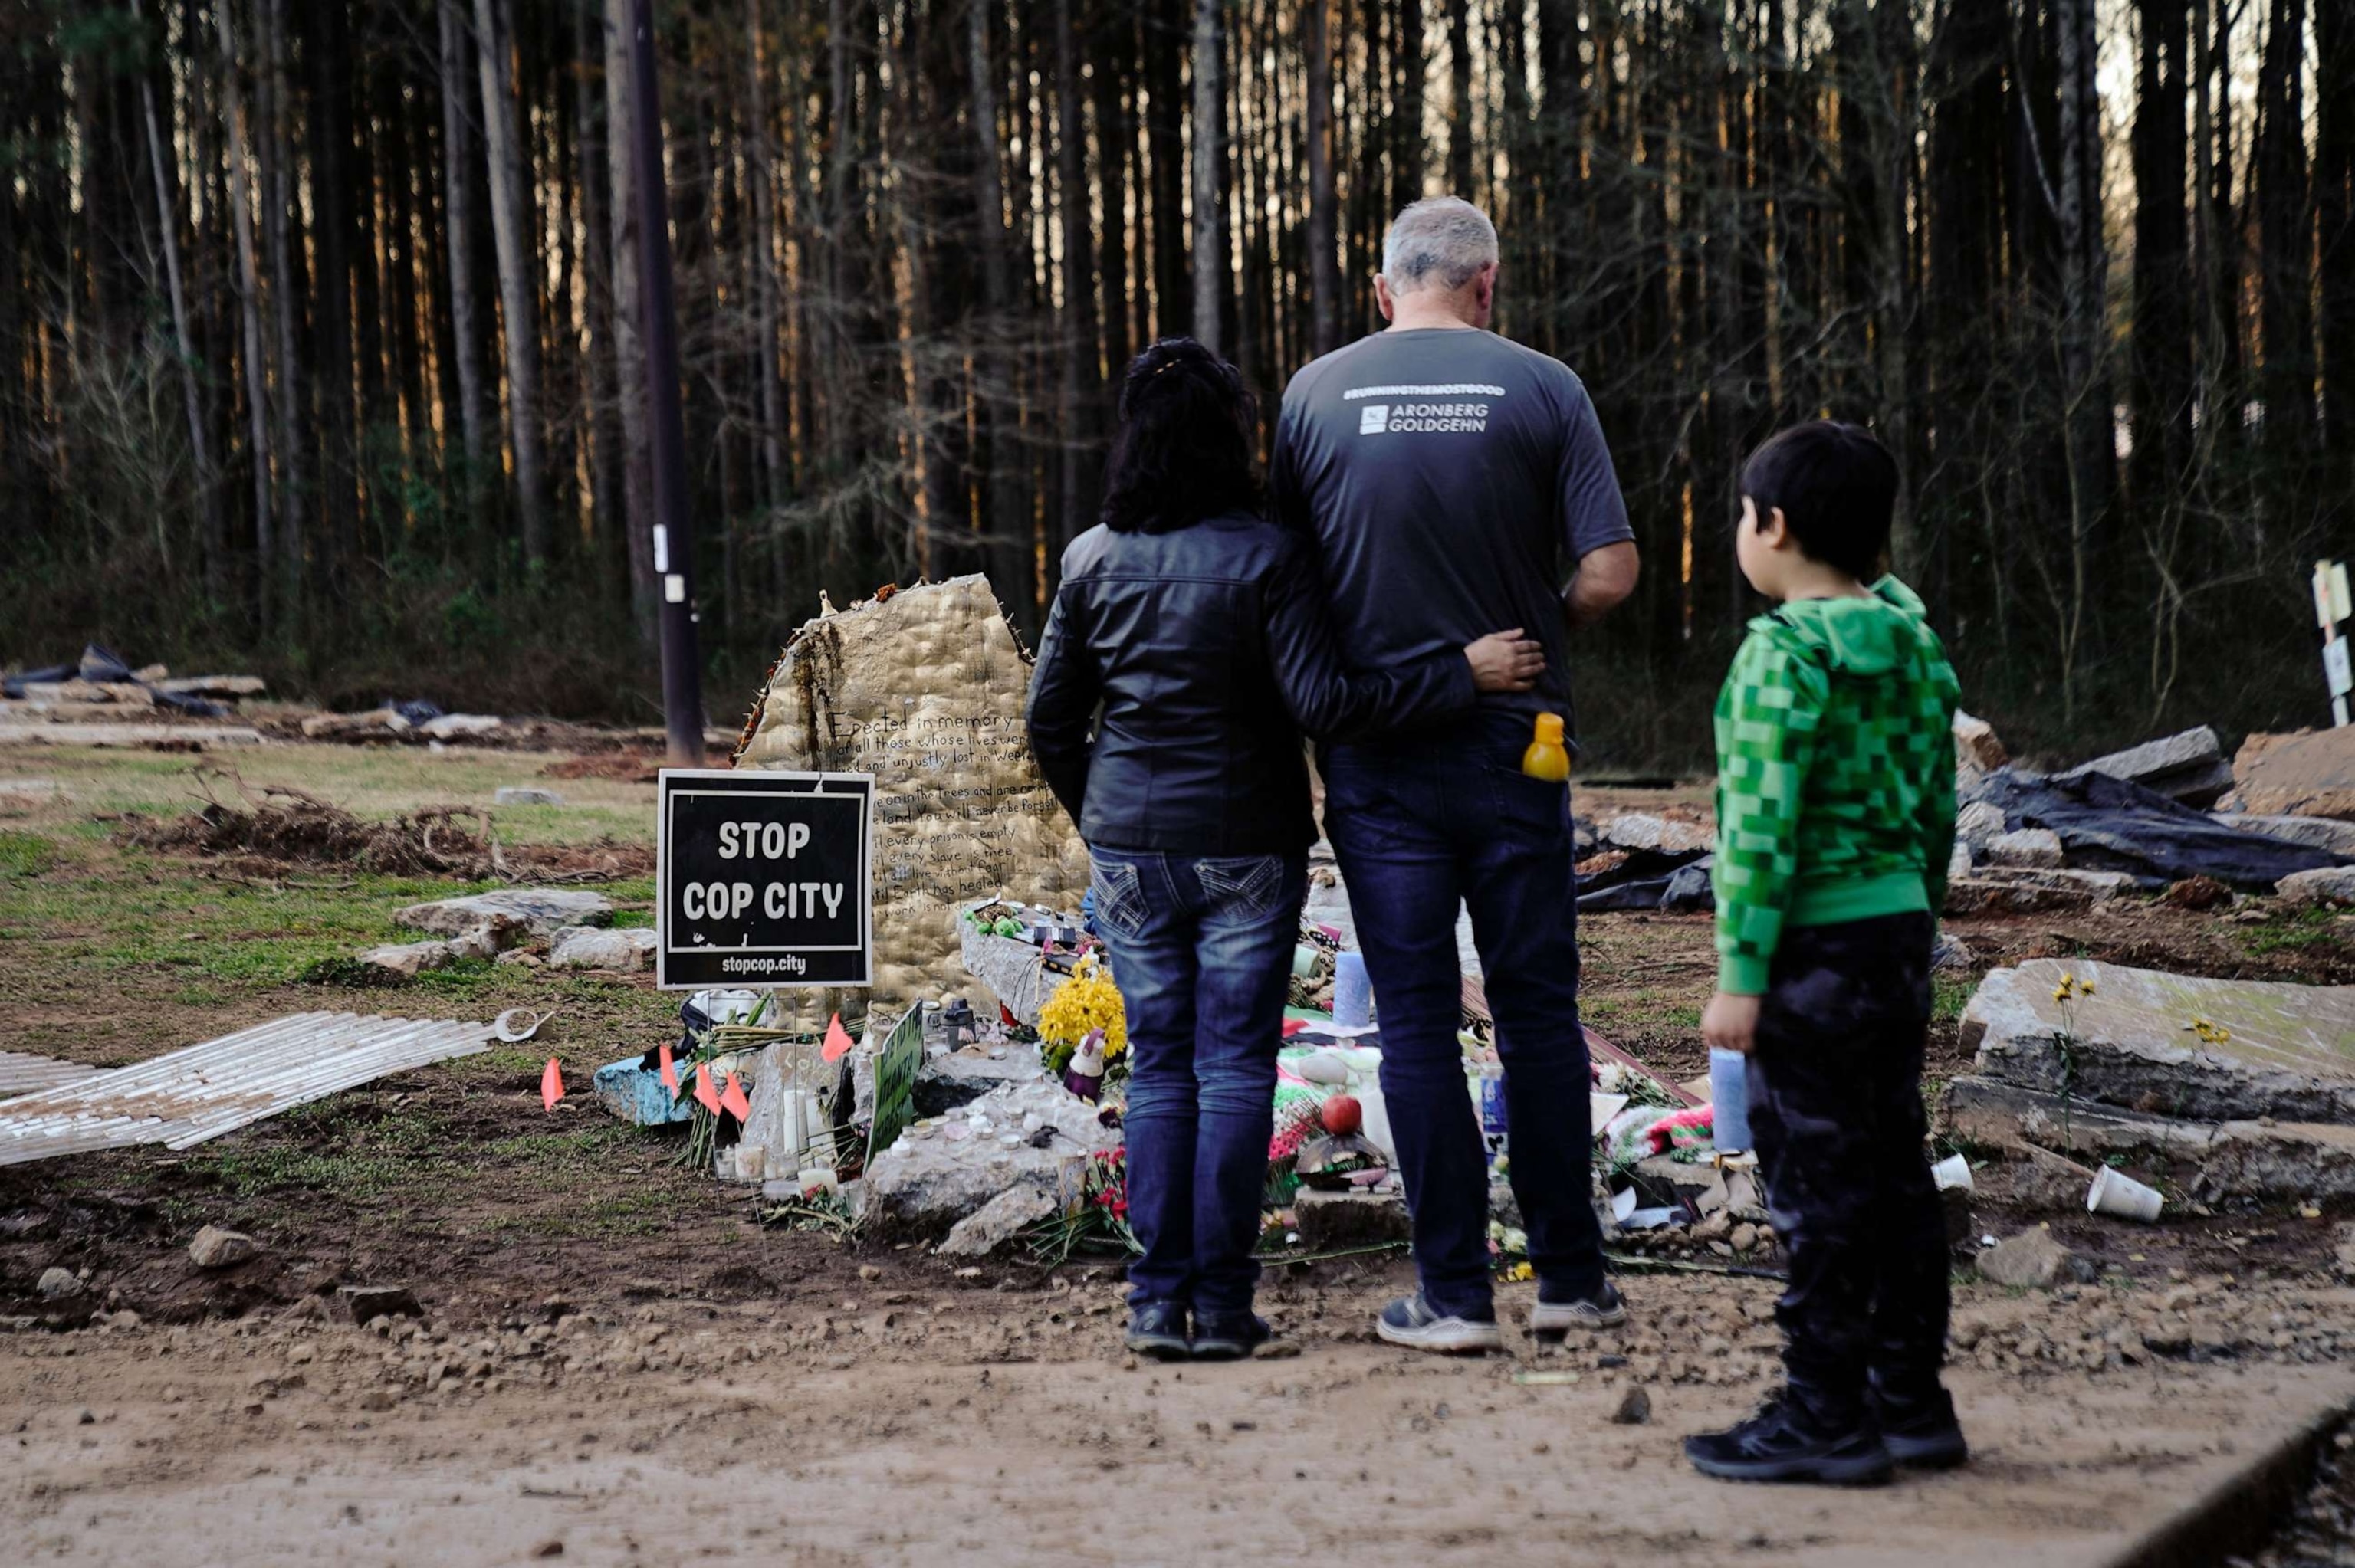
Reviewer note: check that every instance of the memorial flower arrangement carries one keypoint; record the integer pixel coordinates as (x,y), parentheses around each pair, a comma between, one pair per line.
(1087,1001)
(1098,1221)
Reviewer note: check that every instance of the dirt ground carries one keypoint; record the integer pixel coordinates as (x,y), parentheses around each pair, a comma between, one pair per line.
(617,1359)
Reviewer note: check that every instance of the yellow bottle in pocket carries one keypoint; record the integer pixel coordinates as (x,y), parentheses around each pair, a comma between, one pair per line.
(1548,757)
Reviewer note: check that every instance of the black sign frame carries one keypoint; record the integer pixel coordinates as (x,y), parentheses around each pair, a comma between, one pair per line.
(781,966)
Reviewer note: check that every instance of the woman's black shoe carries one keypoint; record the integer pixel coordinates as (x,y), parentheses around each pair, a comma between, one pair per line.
(1920,1433)
(1229,1337)
(1781,1443)
(1157,1329)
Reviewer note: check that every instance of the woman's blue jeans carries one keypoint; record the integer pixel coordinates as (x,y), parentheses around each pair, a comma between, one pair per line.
(1201,948)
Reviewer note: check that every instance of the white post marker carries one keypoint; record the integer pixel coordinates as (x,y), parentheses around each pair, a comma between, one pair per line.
(2331,606)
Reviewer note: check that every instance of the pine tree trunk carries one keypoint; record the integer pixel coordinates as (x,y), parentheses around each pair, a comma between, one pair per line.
(1324,209)
(278,182)
(213,519)
(1210,261)
(518,257)
(1459,100)
(457,155)
(249,302)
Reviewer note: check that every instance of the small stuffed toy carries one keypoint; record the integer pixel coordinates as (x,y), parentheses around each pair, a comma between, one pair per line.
(1084,1076)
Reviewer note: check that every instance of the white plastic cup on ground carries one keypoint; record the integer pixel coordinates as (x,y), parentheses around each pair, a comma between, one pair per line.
(1953,1172)
(2119,1194)
(1353,992)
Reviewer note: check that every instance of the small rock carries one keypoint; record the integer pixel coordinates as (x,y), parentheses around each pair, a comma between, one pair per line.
(126,1318)
(2198,893)
(1975,745)
(216,1249)
(1951,953)
(548,1548)
(1978,825)
(87,1418)
(1328,1221)
(526,795)
(58,1285)
(869,1271)
(2033,849)
(2032,1259)
(994,1223)
(1635,1409)
(1744,1238)
(543,911)
(2330,884)
(407,961)
(379,1399)
(586,948)
(364,1303)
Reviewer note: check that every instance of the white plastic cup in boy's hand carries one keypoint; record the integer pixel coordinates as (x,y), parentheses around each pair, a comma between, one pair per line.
(2119,1194)
(1952,1173)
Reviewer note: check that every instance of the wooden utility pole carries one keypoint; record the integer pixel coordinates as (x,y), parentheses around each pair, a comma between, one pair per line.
(674,541)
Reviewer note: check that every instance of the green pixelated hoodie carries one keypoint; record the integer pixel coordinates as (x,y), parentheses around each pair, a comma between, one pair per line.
(1835,774)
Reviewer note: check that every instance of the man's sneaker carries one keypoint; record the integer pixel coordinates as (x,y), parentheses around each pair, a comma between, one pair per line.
(1227,1337)
(1411,1321)
(1157,1329)
(1921,1433)
(1604,1309)
(1782,1444)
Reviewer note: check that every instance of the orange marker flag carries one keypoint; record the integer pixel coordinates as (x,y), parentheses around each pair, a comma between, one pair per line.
(837,1040)
(669,1071)
(735,1101)
(705,1095)
(551,1084)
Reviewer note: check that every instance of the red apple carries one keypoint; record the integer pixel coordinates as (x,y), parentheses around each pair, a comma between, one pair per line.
(1342,1114)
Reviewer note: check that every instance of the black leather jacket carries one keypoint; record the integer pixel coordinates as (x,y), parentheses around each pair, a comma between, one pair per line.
(1209,651)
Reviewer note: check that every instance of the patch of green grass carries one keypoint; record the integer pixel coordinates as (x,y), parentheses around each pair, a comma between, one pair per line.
(26,854)
(1949,997)
(2307,929)
(643,1213)
(349,1174)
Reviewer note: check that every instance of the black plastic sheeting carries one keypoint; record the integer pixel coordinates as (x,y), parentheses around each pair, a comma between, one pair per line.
(2111,824)
(101,663)
(1651,880)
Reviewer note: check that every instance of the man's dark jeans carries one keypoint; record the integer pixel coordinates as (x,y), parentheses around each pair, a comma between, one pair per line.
(1835,1109)
(1202,950)
(1419,823)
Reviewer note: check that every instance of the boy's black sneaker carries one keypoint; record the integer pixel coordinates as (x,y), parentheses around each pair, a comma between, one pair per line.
(1921,1433)
(1782,1444)
(1157,1329)
(1229,1337)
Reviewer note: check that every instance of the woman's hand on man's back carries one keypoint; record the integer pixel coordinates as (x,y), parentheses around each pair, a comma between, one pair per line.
(1505,662)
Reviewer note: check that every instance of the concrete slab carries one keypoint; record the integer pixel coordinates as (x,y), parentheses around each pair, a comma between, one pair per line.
(2264,1158)
(2269,1050)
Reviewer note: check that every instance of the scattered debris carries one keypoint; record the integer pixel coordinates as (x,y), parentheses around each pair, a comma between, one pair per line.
(216,1249)
(2109,824)
(943,1169)
(2030,1260)
(2190,766)
(183,1097)
(14,731)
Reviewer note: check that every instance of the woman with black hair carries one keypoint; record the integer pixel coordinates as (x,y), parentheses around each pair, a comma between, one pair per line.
(1199,627)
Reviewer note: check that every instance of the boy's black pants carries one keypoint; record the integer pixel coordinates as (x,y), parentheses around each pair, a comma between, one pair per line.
(1836,1110)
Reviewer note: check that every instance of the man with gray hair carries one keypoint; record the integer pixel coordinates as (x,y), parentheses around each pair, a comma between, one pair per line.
(1449,478)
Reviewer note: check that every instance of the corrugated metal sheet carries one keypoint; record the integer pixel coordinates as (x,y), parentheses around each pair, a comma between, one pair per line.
(23,1075)
(183,1097)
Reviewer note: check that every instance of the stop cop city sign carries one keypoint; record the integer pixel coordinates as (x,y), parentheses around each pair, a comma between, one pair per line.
(763,879)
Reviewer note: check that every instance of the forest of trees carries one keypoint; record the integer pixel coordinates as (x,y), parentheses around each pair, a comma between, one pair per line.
(317,317)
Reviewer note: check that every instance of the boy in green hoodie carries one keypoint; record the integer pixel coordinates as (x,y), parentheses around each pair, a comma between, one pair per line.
(1835,819)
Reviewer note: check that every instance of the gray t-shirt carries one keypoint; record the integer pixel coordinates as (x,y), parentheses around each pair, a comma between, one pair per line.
(1452,479)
